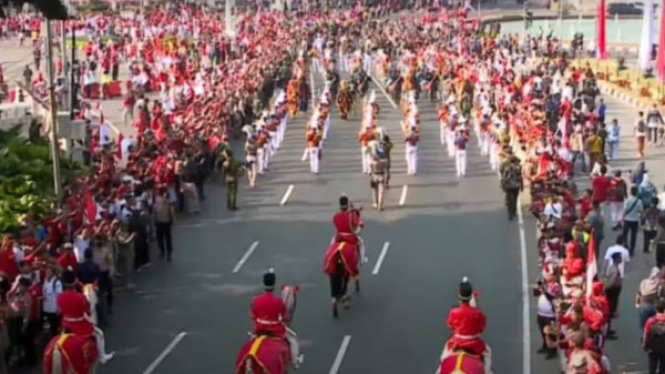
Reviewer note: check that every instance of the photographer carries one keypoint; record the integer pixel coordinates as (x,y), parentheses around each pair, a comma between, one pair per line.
(547,291)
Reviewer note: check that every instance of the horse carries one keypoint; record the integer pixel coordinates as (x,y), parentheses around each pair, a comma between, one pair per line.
(90,293)
(341,263)
(461,362)
(74,354)
(71,354)
(265,354)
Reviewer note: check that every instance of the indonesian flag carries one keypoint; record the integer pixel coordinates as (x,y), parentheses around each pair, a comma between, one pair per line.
(660,58)
(90,207)
(601,32)
(591,266)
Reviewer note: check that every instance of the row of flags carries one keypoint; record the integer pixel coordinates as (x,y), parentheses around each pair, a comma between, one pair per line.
(646,41)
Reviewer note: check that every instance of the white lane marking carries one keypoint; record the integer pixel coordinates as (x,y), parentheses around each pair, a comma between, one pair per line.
(402,198)
(340,355)
(245,257)
(526,295)
(382,256)
(169,348)
(304,155)
(378,84)
(287,194)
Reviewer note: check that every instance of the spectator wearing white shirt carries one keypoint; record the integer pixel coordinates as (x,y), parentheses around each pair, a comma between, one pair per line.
(51,288)
(615,256)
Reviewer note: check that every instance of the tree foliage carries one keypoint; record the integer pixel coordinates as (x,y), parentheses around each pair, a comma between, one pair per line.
(51,9)
(26,179)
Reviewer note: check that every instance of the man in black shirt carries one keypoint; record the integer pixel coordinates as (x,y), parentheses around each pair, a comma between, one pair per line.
(88,270)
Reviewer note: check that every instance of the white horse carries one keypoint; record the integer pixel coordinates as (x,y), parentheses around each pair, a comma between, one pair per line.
(90,293)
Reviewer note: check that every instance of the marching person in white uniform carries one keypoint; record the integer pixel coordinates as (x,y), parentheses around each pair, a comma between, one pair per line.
(461,143)
(411,148)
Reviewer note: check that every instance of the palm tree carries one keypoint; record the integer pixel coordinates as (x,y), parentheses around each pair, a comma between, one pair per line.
(51,9)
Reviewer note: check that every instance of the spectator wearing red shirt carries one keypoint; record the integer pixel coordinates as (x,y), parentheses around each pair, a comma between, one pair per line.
(585,204)
(67,258)
(654,339)
(600,186)
(8,264)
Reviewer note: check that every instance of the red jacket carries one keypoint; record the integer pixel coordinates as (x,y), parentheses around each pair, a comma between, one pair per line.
(600,186)
(467,324)
(74,308)
(269,314)
(345,224)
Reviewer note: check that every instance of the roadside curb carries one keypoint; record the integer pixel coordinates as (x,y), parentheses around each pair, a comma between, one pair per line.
(622,95)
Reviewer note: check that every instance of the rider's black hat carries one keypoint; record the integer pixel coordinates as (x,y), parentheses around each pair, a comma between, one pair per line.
(343,201)
(465,290)
(269,279)
(68,277)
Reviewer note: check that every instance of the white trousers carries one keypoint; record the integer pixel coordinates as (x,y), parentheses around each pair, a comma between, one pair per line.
(262,159)
(318,66)
(444,130)
(281,131)
(366,159)
(101,343)
(367,64)
(484,144)
(450,141)
(314,159)
(616,211)
(326,127)
(460,162)
(273,142)
(343,62)
(411,159)
(494,156)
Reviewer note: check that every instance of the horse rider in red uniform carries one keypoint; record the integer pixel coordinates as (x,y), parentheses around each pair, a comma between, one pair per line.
(75,311)
(467,322)
(271,317)
(348,226)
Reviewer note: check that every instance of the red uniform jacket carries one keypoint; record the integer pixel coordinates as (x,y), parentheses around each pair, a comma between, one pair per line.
(345,225)
(74,307)
(269,314)
(467,323)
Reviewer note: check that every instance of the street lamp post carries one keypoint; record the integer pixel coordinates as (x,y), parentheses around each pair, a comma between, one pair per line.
(53,111)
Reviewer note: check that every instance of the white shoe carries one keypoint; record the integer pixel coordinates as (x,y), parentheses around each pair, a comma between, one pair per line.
(106,357)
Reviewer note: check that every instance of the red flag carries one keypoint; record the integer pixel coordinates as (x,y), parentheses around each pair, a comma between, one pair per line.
(601,32)
(119,149)
(591,265)
(660,58)
(90,207)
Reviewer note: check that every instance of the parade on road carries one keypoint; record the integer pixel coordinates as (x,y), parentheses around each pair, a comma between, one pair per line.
(342,190)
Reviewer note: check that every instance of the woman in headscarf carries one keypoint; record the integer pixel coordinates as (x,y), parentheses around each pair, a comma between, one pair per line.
(638,172)
(647,294)
(646,191)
